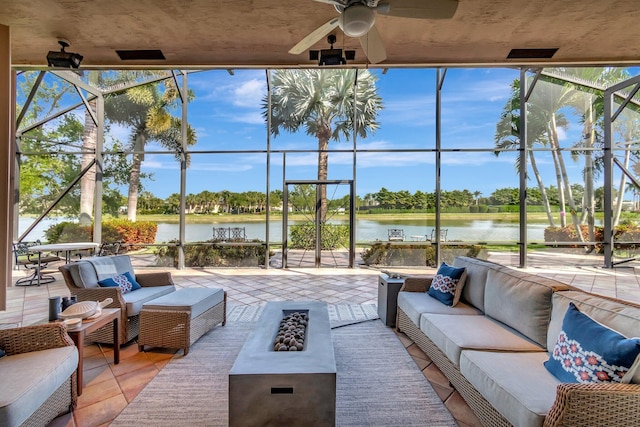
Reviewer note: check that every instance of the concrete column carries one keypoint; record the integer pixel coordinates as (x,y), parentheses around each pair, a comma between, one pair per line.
(6,162)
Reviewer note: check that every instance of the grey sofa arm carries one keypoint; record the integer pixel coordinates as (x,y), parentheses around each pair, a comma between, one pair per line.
(160,278)
(600,404)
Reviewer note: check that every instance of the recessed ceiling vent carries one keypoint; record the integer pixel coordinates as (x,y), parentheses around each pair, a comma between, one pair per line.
(532,53)
(140,55)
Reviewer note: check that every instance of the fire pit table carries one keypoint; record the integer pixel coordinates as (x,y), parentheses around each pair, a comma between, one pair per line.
(270,385)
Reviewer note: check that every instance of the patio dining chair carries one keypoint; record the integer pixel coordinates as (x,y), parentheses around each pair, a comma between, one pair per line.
(109,248)
(396,235)
(220,233)
(443,235)
(29,261)
(237,234)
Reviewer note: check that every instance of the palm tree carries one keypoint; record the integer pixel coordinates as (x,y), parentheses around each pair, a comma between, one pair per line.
(146,110)
(476,196)
(322,101)
(508,136)
(589,104)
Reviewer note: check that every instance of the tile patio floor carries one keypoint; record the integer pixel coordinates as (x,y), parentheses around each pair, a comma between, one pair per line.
(109,388)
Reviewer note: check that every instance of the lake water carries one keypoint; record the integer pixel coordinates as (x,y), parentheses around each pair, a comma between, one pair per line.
(366,230)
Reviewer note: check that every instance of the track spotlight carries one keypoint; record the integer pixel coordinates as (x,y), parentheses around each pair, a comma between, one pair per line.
(63,59)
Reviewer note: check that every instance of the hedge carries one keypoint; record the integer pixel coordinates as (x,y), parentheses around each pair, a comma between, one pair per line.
(117,230)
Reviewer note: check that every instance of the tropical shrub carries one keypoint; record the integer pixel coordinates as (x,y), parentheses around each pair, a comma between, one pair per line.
(213,253)
(391,254)
(303,236)
(116,230)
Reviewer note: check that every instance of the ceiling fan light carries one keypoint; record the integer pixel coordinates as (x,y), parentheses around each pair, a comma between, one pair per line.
(357,20)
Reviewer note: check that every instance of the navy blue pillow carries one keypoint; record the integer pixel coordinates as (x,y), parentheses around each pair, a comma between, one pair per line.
(125,281)
(447,284)
(588,352)
(2,353)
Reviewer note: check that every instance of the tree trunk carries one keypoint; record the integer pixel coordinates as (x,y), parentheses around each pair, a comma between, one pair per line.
(323,171)
(623,183)
(589,202)
(561,202)
(88,181)
(565,180)
(543,191)
(134,180)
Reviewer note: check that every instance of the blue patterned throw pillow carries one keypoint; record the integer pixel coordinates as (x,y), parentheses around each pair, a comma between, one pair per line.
(447,284)
(125,281)
(588,352)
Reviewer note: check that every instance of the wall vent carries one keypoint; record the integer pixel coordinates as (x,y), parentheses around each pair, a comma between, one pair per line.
(532,53)
(139,55)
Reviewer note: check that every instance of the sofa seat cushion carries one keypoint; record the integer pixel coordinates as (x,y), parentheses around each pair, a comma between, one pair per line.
(454,333)
(413,304)
(33,377)
(516,384)
(197,300)
(135,300)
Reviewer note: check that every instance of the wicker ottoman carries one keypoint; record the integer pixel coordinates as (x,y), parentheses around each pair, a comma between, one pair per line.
(178,319)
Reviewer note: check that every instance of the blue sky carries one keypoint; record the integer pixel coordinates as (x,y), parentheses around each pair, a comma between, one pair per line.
(226,116)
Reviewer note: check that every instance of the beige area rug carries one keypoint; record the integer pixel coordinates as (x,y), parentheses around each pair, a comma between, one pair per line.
(378,383)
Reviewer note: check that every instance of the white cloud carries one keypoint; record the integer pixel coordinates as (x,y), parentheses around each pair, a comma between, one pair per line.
(249,94)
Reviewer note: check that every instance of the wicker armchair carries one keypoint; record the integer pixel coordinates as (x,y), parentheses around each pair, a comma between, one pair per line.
(29,339)
(86,289)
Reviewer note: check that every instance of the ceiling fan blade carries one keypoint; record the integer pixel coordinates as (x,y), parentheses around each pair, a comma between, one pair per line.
(315,36)
(421,9)
(333,2)
(373,46)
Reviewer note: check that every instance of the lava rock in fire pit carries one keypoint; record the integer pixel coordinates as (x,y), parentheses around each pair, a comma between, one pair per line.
(292,331)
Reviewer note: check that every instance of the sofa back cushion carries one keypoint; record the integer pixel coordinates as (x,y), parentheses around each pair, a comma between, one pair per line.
(87,272)
(521,301)
(473,291)
(621,316)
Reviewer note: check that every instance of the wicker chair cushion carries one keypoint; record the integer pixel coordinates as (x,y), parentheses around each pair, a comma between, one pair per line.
(33,376)
(197,300)
(524,305)
(416,303)
(135,300)
(453,333)
(516,384)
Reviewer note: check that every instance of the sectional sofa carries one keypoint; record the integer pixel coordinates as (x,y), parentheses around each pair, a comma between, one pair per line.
(493,344)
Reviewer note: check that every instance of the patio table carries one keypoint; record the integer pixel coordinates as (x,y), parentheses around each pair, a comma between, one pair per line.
(67,248)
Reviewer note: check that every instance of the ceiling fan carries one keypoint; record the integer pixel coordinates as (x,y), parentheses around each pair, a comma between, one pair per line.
(357,19)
